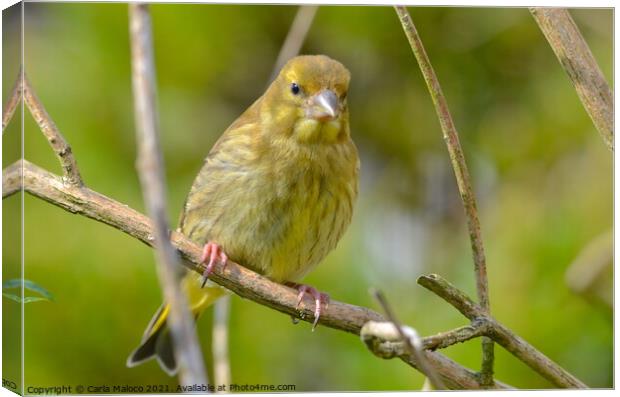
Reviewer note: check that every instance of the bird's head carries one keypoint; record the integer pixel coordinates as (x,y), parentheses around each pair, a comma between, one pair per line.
(308,99)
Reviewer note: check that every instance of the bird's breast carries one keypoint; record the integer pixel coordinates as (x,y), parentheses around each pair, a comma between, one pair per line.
(311,211)
(293,213)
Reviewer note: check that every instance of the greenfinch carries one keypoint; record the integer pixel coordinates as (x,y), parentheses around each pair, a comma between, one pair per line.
(275,194)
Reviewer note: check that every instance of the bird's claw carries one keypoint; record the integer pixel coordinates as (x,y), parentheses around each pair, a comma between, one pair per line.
(321,300)
(212,251)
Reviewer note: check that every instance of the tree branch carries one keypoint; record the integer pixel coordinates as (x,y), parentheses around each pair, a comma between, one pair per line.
(500,334)
(14,100)
(578,62)
(71,173)
(242,281)
(12,179)
(463,179)
(458,335)
(150,167)
(384,340)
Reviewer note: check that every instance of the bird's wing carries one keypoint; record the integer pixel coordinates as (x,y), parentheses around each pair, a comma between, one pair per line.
(229,158)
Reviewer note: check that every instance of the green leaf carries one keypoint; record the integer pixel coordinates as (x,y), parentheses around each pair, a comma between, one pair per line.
(14,283)
(32,286)
(27,299)
(12,297)
(29,285)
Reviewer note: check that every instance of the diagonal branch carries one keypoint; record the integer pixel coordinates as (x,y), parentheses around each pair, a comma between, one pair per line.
(463,179)
(384,341)
(457,335)
(150,167)
(242,281)
(500,334)
(71,173)
(578,62)
(14,100)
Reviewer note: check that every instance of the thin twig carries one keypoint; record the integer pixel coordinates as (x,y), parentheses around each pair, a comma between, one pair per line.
(383,340)
(499,333)
(578,62)
(240,280)
(57,141)
(295,37)
(221,360)
(13,101)
(463,179)
(457,335)
(452,295)
(151,172)
(412,342)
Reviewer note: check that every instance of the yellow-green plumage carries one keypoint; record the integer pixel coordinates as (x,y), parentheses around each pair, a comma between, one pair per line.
(276,191)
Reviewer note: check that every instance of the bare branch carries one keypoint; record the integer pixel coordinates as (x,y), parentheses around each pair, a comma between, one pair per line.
(500,334)
(533,358)
(240,280)
(577,60)
(295,37)
(458,335)
(234,277)
(383,340)
(14,100)
(463,180)
(452,295)
(71,173)
(412,341)
(12,179)
(151,172)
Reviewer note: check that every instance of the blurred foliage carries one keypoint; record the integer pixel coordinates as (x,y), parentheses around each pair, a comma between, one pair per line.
(541,172)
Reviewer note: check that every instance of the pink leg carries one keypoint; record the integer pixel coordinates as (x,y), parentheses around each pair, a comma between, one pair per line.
(320,299)
(212,251)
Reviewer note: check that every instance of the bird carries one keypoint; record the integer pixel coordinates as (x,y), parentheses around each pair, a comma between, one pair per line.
(275,193)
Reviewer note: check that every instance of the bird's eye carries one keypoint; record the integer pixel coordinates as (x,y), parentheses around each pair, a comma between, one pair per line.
(295,88)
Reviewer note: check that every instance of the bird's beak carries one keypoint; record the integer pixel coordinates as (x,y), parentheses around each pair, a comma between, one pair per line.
(323,106)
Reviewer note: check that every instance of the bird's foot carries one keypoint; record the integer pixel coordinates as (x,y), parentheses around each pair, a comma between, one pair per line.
(321,300)
(212,251)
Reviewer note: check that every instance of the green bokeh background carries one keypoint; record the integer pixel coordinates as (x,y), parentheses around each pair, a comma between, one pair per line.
(542,174)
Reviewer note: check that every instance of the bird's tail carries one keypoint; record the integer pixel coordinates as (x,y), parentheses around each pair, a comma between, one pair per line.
(156,341)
